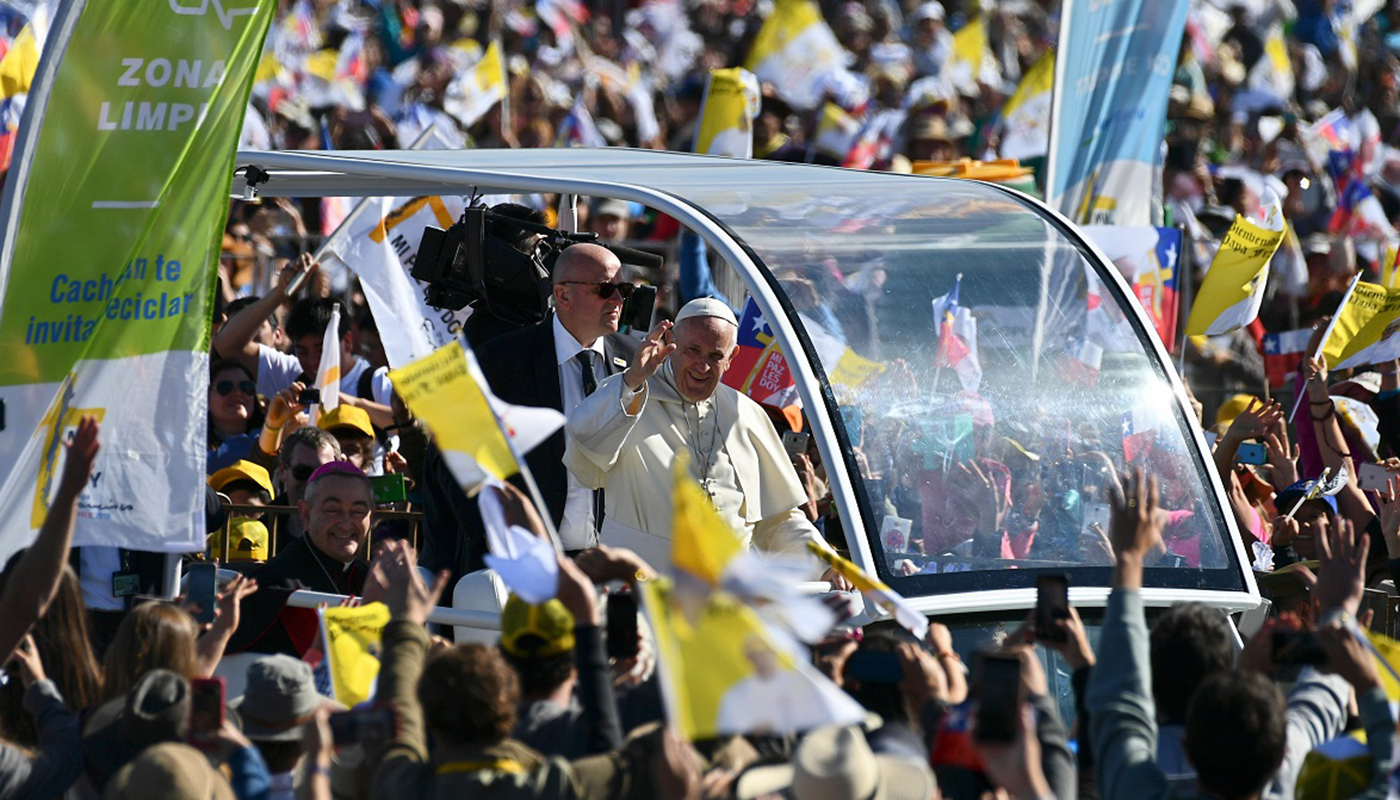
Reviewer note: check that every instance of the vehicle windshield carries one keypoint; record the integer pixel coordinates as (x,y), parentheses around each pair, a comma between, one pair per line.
(988,383)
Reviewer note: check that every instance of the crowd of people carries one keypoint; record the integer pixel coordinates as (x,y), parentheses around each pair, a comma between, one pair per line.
(105,690)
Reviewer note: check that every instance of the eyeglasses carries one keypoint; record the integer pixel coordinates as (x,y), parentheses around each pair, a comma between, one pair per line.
(225,388)
(302,472)
(606,288)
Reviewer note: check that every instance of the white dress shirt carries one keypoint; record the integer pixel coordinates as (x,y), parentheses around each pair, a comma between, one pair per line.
(576,531)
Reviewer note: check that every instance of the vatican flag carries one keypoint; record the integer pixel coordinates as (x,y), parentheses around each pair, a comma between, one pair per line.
(479,87)
(876,591)
(1026,116)
(795,50)
(1363,330)
(328,371)
(1233,290)
(727,114)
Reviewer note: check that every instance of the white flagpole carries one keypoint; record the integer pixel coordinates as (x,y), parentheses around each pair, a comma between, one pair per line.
(1325,336)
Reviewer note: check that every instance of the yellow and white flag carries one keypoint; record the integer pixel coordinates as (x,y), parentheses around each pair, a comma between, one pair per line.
(1274,72)
(1363,330)
(1233,290)
(479,434)
(969,62)
(352,636)
(836,132)
(727,114)
(875,591)
(1026,116)
(794,51)
(479,87)
(328,372)
(723,671)
(1390,276)
(702,545)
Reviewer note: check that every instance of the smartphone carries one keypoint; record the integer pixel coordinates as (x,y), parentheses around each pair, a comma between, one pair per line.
(869,666)
(1373,477)
(637,310)
(622,625)
(206,708)
(201,589)
(1000,698)
(1051,605)
(367,726)
(388,488)
(1251,453)
(795,443)
(309,397)
(1297,648)
(1096,514)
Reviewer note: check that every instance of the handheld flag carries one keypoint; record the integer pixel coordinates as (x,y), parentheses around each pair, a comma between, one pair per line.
(877,592)
(328,373)
(759,369)
(352,636)
(701,543)
(722,670)
(957,339)
(727,114)
(1026,116)
(796,51)
(1139,434)
(970,51)
(478,434)
(1283,352)
(1233,290)
(527,564)
(476,89)
(1364,327)
(578,128)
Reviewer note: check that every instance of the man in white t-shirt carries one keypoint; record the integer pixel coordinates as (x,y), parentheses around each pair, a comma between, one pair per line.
(306,328)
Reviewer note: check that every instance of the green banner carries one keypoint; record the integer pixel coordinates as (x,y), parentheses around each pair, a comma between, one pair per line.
(115,206)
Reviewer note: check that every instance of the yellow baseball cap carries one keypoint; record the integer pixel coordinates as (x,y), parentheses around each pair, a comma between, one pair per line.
(346,416)
(1233,408)
(536,631)
(242,471)
(247,541)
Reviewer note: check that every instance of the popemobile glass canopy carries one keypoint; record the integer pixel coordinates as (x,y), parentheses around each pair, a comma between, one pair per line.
(846,264)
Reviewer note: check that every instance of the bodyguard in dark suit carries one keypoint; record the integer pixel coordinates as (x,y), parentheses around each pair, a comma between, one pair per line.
(554,363)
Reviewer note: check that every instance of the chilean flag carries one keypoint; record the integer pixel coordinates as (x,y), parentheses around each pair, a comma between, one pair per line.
(957,339)
(1283,353)
(1139,434)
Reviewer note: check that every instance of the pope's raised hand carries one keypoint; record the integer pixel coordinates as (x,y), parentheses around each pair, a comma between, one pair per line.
(654,351)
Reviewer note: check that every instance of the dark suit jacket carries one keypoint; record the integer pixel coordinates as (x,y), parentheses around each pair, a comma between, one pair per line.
(521,368)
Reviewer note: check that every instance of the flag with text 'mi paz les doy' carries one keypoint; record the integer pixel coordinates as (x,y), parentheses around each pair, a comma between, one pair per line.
(760,369)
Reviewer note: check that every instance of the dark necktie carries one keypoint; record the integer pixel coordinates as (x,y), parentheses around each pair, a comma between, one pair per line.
(590,384)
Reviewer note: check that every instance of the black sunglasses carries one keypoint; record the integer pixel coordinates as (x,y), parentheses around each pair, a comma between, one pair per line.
(302,472)
(606,288)
(225,388)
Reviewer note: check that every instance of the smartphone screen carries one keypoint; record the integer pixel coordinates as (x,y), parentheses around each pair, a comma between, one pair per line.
(1251,453)
(999,703)
(201,590)
(622,625)
(388,488)
(869,666)
(206,708)
(1051,605)
(795,443)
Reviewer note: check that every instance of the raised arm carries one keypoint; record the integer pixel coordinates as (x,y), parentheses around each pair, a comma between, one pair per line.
(34,581)
(1332,446)
(235,339)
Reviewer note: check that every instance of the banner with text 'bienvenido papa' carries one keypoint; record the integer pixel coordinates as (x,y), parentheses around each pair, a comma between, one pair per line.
(111,224)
